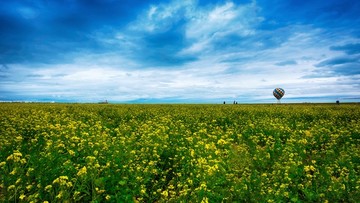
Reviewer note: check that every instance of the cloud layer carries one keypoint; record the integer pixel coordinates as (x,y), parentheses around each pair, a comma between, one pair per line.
(179,50)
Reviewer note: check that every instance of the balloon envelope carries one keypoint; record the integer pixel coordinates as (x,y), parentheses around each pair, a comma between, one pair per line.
(278,93)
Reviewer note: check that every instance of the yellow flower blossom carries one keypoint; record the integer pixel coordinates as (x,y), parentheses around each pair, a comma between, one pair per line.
(221,142)
(90,159)
(18,181)
(48,188)
(60,195)
(82,171)
(309,168)
(22,196)
(11,187)
(165,193)
(107,197)
(62,180)
(23,161)
(99,191)
(205,200)
(71,152)
(13,172)
(29,187)
(16,156)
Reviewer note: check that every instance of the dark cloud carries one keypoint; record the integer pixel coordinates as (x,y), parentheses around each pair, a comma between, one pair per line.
(34,76)
(339,66)
(216,2)
(47,31)
(236,59)
(348,48)
(4,71)
(288,62)
(162,48)
(347,69)
(4,67)
(338,61)
(332,14)
(232,70)
(59,75)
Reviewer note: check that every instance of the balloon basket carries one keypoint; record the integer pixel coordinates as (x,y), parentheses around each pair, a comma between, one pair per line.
(278,102)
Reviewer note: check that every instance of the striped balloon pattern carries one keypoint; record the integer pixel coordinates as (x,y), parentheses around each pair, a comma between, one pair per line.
(278,93)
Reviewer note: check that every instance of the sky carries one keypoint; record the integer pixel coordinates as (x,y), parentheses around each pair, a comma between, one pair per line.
(179,51)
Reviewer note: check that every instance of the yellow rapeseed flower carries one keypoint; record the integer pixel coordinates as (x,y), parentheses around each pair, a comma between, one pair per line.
(60,195)
(165,193)
(29,171)
(309,168)
(108,197)
(99,191)
(71,152)
(13,172)
(90,159)
(22,196)
(48,187)
(221,142)
(23,161)
(29,187)
(18,181)
(307,133)
(11,187)
(61,180)
(82,171)
(16,156)
(18,138)
(205,200)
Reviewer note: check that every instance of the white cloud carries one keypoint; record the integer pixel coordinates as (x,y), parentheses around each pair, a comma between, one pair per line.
(204,25)
(222,20)
(159,18)
(208,25)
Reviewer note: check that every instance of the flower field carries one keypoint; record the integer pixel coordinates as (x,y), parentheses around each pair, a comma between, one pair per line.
(179,153)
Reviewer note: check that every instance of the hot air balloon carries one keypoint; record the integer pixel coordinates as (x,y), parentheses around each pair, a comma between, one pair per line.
(278,93)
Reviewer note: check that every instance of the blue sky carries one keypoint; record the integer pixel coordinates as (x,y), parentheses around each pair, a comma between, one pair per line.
(186,51)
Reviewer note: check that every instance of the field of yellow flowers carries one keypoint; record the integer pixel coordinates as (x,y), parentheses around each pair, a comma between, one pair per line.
(179,153)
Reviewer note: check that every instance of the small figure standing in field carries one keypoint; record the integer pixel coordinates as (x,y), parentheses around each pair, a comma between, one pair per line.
(337,102)
(224,102)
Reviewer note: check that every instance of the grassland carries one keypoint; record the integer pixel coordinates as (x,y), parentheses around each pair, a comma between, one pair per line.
(179,153)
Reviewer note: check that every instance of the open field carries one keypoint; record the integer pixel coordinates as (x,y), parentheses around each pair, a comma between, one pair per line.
(174,153)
